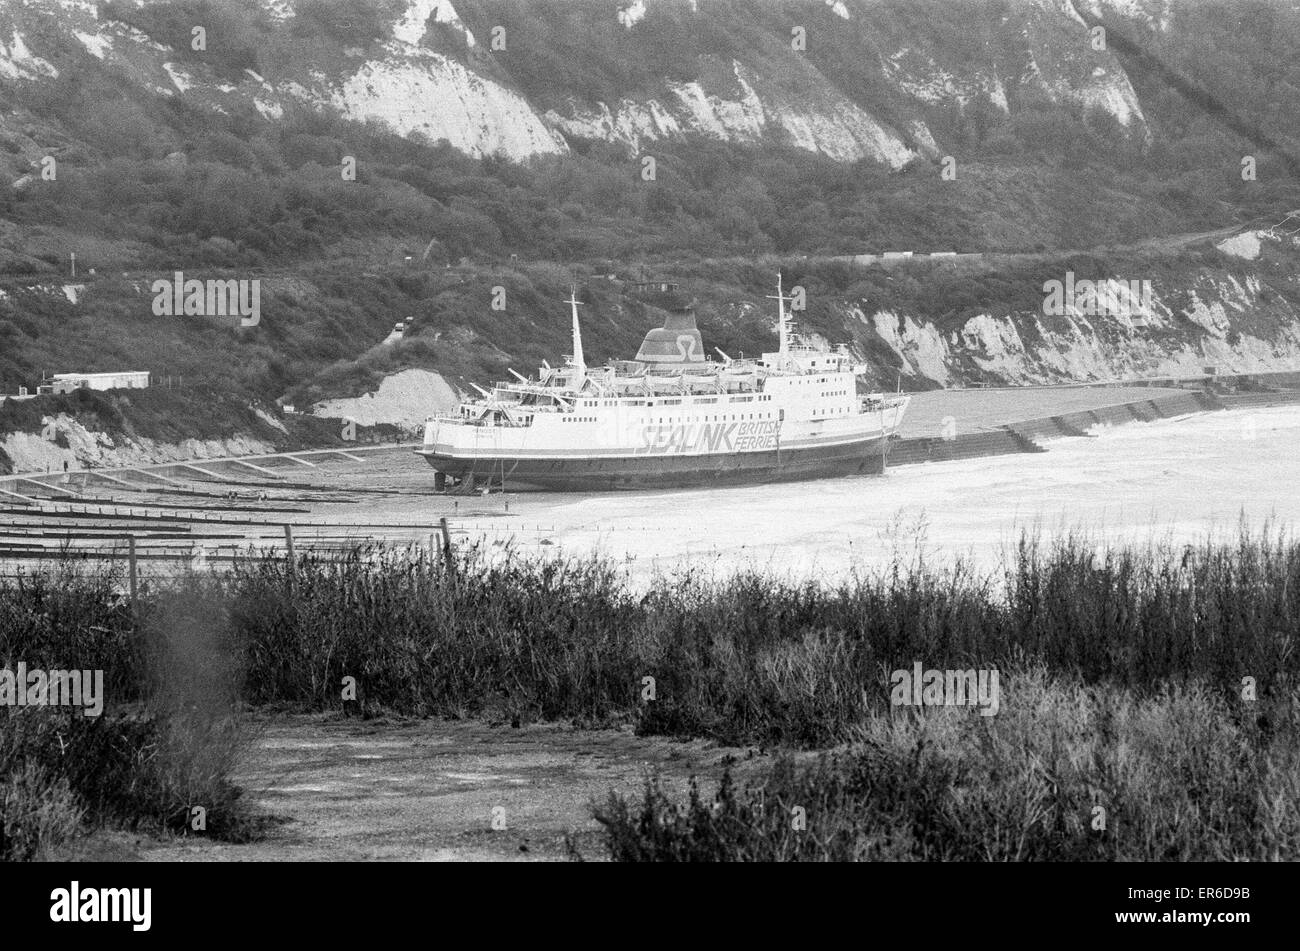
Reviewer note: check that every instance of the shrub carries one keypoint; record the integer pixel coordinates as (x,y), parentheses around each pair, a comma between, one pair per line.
(1063,773)
(749,657)
(169,732)
(38,813)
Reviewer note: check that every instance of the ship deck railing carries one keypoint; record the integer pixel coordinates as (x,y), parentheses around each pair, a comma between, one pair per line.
(480,423)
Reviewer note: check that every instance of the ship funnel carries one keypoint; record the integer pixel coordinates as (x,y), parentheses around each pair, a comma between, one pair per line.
(677,343)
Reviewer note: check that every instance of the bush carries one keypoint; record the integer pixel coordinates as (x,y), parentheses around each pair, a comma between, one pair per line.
(748,657)
(38,813)
(1147,649)
(1062,773)
(169,731)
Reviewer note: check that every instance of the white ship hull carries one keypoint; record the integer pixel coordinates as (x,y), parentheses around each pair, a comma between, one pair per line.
(605,473)
(678,442)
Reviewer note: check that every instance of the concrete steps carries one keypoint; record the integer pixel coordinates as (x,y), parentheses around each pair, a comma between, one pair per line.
(995,442)
(1051,427)
(1248,400)
(1026,435)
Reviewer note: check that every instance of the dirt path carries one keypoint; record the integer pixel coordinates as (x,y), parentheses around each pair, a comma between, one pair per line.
(355,790)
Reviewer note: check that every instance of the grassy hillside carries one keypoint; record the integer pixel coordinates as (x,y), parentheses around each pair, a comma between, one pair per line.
(322,324)
(150,183)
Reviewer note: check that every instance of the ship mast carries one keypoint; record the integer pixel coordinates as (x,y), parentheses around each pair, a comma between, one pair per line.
(578,362)
(780,306)
(783,326)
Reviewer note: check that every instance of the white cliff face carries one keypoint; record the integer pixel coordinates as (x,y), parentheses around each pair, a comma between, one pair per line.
(416,91)
(1216,322)
(633,14)
(30,452)
(1151,14)
(18,62)
(918,75)
(629,122)
(1068,64)
(97,45)
(413,89)
(405,398)
(406,85)
(1054,56)
(845,133)
(405,82)
(180,79)
(920,347)
(720,118)
(1105,90)
(414,23)
(1245,245)
(833,125)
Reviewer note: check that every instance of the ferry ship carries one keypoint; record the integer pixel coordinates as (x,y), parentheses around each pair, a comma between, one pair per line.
(673,417)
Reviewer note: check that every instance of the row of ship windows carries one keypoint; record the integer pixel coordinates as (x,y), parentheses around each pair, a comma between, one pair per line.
(675,402)
(716,419)
(721,418)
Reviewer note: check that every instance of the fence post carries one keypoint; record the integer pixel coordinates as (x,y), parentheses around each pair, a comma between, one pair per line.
(135,578)
(446,544)
(292,566)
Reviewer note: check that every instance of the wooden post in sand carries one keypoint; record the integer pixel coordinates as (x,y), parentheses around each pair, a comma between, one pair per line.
(135,576)
(292,561)
(446,544)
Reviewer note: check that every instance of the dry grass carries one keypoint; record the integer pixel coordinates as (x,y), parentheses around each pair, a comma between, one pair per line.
(1064,773)
(169,733)
(751,657)
(1147,649)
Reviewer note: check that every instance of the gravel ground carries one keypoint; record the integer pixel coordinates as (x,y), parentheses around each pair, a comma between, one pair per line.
(357,790)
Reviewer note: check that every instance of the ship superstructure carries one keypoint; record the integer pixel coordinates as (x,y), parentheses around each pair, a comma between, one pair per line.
(671,417)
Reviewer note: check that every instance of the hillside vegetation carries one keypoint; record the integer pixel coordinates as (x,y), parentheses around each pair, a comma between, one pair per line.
(150,182)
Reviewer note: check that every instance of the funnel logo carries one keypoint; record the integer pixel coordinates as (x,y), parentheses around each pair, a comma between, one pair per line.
(212,298)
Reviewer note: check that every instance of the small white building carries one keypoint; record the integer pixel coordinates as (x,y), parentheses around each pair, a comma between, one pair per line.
(122,380)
